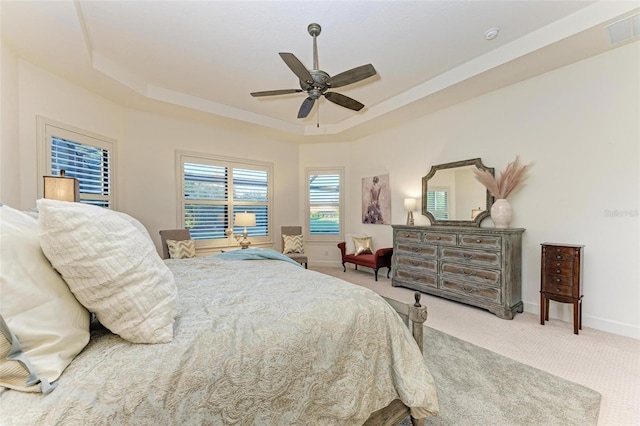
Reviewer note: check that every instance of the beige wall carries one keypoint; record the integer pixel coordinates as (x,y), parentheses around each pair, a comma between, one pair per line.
(579,124)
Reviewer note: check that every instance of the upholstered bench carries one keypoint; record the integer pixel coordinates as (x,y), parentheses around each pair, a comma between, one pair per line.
(380,259)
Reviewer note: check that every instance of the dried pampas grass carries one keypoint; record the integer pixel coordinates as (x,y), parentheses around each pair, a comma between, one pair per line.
(507,181)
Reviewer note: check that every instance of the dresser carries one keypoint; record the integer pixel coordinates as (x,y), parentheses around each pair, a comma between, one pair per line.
(561,279)
(476,266)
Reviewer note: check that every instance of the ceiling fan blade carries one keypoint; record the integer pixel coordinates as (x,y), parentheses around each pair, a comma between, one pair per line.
(305,108)
(275,92)
(344,101)
(296,66)
(352,76)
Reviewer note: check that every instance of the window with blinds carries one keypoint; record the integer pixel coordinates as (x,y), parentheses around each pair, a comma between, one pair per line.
(215,189)
(325,202)
(82,155)
(438,203)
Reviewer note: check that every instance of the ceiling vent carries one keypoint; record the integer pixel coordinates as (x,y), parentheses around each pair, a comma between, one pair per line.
(624,29)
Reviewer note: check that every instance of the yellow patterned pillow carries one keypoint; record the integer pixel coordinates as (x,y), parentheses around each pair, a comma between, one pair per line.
(363,245)
(292,244)
(184,249)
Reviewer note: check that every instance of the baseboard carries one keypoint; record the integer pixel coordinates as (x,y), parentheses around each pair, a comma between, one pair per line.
(564,312)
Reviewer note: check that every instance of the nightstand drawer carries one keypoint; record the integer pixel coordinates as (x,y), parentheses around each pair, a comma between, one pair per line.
(560,253)
(559,268)
(553,280)
(558,289)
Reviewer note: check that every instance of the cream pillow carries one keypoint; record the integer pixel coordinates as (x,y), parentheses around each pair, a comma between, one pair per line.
(43,327)
(293,244)
(183,249)
(111,267)
(363,246)
(350,246)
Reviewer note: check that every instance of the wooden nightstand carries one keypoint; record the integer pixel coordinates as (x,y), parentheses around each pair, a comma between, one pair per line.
(561,279)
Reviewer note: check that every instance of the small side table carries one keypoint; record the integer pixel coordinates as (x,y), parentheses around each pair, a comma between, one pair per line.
(561,279)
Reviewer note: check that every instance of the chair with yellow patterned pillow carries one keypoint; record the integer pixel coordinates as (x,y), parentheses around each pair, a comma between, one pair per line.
(293,244)
(172,236)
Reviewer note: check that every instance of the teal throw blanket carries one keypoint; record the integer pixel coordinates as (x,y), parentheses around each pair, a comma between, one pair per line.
(254,254)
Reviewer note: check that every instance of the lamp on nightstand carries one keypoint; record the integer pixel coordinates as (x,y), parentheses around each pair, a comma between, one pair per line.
(245,219)
(61,188)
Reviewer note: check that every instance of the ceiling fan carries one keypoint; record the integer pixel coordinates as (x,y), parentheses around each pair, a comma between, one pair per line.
(317,82)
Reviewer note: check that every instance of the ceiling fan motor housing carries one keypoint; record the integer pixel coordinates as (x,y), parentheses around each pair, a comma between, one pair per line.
(319,85)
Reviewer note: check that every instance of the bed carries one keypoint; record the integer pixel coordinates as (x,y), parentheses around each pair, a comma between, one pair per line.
(259,341)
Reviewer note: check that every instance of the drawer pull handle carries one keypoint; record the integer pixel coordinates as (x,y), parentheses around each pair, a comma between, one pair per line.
(468,289)
(467,273)
(557,289)
(467,256)
(478,241)
(559,257)
(558,280)
(557,271)
(437,238)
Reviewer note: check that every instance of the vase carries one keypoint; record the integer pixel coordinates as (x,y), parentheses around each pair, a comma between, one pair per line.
(501,213)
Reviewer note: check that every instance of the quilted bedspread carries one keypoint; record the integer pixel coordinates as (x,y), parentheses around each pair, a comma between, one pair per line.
(258,342)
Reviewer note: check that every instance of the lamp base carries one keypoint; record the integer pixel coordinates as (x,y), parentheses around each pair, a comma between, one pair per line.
(244,244)
(410,218)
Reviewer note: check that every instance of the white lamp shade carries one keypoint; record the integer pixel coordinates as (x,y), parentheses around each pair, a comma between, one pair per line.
(410,204)
(245,219)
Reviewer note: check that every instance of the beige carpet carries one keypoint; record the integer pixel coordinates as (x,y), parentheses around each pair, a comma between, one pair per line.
(604,362)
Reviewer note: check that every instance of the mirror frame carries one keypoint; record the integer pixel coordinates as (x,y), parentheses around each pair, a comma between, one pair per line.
(472,222)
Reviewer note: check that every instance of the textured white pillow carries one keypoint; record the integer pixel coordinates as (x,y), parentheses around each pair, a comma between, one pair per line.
(111,267)
(50,326)
(350,245)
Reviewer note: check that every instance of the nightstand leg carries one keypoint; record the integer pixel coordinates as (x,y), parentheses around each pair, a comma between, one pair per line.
(546,308)
(542,308)
(576,316)
(580,315)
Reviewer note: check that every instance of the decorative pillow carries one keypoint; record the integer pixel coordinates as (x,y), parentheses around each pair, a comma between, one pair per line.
(183,249)
(363,245)
(350,247)
(111,267)
(292,244)
(43,327)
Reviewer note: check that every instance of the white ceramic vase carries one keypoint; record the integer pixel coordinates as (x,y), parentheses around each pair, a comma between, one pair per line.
(501,213)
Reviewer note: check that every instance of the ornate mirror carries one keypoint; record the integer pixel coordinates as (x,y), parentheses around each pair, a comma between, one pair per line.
(451,195)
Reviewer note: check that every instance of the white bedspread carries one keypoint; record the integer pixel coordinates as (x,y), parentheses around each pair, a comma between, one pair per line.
(256,342)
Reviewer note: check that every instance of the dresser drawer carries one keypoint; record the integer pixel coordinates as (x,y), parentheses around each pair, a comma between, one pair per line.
(489,294)
(559,253)
(481,241)
(403,248)
(439,238)
(489,259)
(416,262)
(411,278)
(408,235)
(479,275)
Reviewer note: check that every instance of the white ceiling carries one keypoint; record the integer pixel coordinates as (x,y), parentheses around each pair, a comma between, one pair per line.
(208,56)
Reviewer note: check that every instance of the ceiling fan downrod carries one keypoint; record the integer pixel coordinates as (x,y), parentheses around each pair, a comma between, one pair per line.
(314,31)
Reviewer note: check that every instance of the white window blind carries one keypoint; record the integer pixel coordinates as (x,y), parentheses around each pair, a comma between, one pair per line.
(325,202)
(82,155)
(215,189)
(438,204)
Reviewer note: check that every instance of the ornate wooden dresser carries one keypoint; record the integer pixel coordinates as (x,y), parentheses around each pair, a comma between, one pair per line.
(560,278)
(476,266)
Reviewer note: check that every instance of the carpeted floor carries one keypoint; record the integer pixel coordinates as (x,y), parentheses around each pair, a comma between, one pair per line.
(480,387)
(604,362)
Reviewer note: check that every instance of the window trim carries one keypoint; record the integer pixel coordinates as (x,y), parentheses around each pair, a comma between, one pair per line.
(194,157)
(46,127)
(324,170)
